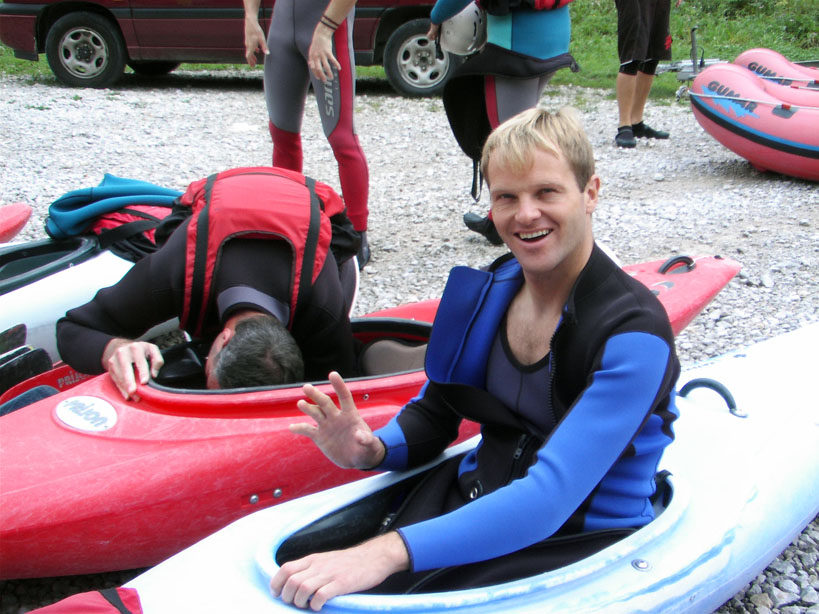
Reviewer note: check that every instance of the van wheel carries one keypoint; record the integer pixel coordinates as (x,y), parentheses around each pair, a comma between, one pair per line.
(410,62)
(85,50)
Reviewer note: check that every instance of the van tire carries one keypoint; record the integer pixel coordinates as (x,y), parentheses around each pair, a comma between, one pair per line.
(85,50)
(410,61)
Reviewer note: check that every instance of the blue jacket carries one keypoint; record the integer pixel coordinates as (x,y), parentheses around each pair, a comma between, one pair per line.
(538,34)
(612,390)
(524,44)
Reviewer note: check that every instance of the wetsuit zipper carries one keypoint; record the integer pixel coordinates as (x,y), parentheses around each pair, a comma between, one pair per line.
(522,458)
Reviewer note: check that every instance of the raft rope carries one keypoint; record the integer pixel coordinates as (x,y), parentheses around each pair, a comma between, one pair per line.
(779,80)
(784,105)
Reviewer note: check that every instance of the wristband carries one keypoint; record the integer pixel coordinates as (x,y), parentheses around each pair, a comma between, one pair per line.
(329,23)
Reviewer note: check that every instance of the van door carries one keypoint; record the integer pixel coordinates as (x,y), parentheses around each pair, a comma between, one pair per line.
(192,30)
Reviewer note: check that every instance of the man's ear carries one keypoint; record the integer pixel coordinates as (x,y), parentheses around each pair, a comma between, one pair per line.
(591,193)
(227,334)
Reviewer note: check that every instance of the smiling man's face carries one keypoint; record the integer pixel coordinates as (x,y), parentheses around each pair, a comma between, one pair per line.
(542,215)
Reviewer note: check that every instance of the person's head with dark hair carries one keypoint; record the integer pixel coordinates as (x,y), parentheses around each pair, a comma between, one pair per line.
(253,349)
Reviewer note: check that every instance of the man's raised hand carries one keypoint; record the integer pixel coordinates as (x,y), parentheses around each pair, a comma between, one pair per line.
(339,431)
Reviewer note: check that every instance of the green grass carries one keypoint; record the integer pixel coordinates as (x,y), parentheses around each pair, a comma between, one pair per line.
(40,72)
(725,28)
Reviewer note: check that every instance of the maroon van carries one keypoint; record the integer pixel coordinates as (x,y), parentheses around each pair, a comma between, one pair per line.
(89,42)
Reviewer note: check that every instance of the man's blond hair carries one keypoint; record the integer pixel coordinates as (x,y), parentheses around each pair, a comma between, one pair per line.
(515,140)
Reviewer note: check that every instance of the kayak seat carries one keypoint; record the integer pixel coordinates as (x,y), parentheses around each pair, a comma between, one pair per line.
(21,265)
(13,353)
(183,368)
(385,356)
(663,492)
(349,525)
(22,363)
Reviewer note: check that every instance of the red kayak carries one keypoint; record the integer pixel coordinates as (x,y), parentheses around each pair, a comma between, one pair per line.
(91,483)
(12,219)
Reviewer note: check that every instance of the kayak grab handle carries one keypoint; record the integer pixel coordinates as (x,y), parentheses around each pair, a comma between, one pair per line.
(719,388)
(669,264)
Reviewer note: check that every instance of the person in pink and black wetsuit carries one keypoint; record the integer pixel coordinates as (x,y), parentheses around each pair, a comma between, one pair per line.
(296,24)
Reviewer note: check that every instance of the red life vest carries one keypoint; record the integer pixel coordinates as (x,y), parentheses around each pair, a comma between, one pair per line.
(255,203)
(130,232)
(106,601)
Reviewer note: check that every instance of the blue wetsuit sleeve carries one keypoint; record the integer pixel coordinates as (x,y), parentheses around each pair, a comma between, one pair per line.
(444,9)
(575,458)
(395,445)
(419,432)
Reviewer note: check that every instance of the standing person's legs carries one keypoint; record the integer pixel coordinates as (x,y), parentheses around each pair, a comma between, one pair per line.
(507,97)
(642,87)
(336,102)
(286,79)
(658,15)
(626,93)
(632,43)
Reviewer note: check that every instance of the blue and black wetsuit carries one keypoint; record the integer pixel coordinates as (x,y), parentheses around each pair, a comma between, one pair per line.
(574,464)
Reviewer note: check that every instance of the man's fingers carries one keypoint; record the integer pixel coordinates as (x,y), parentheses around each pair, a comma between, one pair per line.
(143,371)
(311,410)
(302,428)
(134,363)
(285,583)
(156,362)
(121,369)
(254,45)
(123,388)
(326,73)
(328,65)
(321,407)
(304,591)
(345,397)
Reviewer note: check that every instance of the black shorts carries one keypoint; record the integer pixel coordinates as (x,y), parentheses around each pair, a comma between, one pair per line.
(642,30)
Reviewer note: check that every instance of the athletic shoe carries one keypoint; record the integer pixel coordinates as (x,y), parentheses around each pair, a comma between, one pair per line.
(363,254)
(642,130)
(483,226)
(625,137)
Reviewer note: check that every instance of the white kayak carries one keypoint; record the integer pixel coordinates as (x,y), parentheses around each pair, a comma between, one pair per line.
(743,484)
(41,280)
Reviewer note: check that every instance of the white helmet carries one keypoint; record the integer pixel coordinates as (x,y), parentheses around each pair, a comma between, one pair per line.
(465,33)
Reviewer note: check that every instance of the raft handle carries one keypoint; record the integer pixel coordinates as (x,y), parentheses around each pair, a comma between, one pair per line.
(669,264)
(719,388)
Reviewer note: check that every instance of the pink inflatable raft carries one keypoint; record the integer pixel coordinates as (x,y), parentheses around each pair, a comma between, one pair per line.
(771,124)
(784,79)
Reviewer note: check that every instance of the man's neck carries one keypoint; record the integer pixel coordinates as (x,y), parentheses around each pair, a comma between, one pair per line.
(551,290)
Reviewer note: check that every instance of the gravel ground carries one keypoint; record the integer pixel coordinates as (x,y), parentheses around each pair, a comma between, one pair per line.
(688,195)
